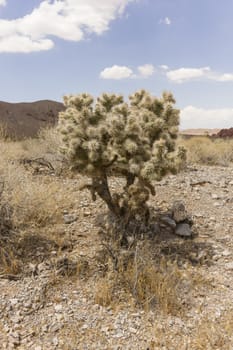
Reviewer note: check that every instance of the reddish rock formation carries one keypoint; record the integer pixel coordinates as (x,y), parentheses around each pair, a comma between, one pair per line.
(225,133)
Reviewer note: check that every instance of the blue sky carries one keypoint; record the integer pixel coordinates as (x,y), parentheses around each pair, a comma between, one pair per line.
(52,48)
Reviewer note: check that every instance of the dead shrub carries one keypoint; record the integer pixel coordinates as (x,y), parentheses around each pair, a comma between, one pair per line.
(135,275)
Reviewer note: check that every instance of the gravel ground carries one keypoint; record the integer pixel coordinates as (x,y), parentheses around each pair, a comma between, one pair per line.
(44,310)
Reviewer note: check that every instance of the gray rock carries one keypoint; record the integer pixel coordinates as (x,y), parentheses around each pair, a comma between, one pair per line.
(69,218)
(168,221)
(229,266)
(179,212)
(183,230)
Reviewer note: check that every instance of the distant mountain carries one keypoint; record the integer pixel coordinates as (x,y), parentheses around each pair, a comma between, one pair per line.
(199,132)
(25,119)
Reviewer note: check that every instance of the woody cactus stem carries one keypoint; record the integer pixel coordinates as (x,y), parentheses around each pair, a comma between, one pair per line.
(100,186)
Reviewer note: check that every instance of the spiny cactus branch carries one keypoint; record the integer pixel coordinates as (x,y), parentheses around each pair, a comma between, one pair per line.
(134,140)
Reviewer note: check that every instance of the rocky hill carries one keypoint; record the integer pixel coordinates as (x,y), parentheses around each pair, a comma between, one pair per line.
(20,120)
(225,133)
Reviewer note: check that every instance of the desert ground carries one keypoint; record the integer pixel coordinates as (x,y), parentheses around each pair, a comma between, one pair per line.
(59,289)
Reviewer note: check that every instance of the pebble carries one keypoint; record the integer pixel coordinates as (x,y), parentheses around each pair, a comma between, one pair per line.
(69,218)
(215,196)
(58,308)
(229,266)
(183,230)
(168,221)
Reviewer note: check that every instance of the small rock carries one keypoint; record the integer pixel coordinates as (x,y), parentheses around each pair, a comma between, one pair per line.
(55,341)
(69,218)
(215,196)
(168,221)
(58,307)
(132,330)
(179,212)
(15,338)
(226,253)
(229,266)
(183,230)
(14,301)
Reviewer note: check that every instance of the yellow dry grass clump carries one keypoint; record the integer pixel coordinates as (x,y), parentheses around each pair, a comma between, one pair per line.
(30,200)
(140,280)
(204,150)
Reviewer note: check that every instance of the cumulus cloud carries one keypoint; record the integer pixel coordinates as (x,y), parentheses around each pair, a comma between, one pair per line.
(65,19)
(193,117)
(122,72)
(183,75)
(166,21)
(2,2)
(164,67)
(186,74)
(146,70)
(116,72)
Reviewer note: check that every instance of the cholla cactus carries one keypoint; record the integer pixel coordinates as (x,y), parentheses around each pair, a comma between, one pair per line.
(134,140)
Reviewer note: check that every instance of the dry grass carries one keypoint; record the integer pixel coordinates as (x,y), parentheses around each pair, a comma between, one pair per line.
(9,264)
(212,335)
(203,150)
(33,202)
(47,143)
(6,135)
(36,200)
(140,280)
(208,334)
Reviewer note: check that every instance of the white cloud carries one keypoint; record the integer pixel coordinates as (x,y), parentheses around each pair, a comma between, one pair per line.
(166,21)
(164,67)
(146,70)
(65,19)
(2,2)
(183,75)
(23,44)
(116,72)
(186,74)
(193,117)
(223,77)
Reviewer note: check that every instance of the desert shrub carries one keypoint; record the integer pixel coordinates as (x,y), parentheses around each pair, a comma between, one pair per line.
(134,140)
(36,201)
(137,277)
(45,144)
(204,150)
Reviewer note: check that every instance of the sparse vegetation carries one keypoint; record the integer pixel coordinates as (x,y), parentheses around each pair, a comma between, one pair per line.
(143,283)
(158,278)
(210,151)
